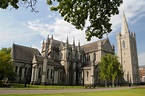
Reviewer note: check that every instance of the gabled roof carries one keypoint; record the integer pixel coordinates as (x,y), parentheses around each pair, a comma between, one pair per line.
(23,53)
(57,44)
(92,46)
(38,58)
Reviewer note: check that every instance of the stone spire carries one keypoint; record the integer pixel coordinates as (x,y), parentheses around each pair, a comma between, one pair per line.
(61,46)
(78,46)
(47,38)
(73,46)
(125,28)
(66,45)
(73,41)
(67,40)
(43,45)
(79,43)
(43,42)
(52,36)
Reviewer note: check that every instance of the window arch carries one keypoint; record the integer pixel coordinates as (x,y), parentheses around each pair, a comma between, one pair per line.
(16,68)
(47,73)
(20,71)
(123,44)
(87,75)
(88,57)
(51,74)
(39,74)
(75,56)
(69,56)
(26,71)
(81,57)
(94,56)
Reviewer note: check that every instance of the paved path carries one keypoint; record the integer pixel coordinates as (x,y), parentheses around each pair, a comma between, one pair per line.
(14,91)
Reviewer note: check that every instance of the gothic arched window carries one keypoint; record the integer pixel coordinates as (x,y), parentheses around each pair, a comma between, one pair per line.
(25,70)
(47,73)
(39,74)
(16,68)
(94,57)
(123,44)
(51,74)
(88,57)
(20,71)
(87,75)
(75,56)
(69,56)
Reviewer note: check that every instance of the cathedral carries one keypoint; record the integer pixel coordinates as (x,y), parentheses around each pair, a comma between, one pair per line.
(62,63)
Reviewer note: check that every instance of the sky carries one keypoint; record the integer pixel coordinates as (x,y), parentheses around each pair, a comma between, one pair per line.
(28,28)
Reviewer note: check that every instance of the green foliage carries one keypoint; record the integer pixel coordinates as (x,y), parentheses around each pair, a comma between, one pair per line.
(17,3)
(110,68)
(6,50)
(78,12)
(6,66)
(97,12)
(5,3)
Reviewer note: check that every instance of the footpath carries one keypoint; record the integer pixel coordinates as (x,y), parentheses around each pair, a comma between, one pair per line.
(39,91)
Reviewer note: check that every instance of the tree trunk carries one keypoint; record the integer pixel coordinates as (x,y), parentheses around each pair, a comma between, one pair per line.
(112,82)
(105,83)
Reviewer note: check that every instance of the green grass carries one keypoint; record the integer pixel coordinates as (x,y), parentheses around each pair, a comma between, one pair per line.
(128,92)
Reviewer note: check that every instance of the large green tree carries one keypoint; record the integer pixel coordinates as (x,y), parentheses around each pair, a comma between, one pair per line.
(97,12)
(110,69)
(6,66)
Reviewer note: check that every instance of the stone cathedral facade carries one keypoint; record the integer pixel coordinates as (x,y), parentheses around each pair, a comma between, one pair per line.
(60,63)
(63,63)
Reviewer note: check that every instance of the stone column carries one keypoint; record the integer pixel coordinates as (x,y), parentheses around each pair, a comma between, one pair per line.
(55,77)
(23,73)
(82,77)
(74,78)
(18,70)
(43,80)
(92,74)
(36,75)
(74,73)
(67,76)
(33,74)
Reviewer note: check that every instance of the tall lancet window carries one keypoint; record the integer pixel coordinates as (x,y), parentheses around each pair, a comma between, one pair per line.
(123,44)
(39,74)
(87,75)
(47,73)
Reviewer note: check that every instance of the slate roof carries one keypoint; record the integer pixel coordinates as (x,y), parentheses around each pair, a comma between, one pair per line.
(92,46)
(56,43)
(38,58)
(23,53)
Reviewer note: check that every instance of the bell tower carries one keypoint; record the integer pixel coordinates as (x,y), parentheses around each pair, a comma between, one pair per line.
(127,53)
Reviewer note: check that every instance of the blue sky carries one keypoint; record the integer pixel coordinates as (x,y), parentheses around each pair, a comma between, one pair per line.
(29,29)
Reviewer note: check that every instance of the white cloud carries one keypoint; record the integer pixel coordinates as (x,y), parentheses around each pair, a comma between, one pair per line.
(60,30)
(141,58)
(134,10)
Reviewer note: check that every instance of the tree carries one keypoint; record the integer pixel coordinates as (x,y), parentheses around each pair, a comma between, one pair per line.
(110,68)
(97,12)
(6,66)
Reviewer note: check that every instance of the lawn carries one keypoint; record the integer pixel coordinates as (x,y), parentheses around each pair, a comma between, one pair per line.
(128,92)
